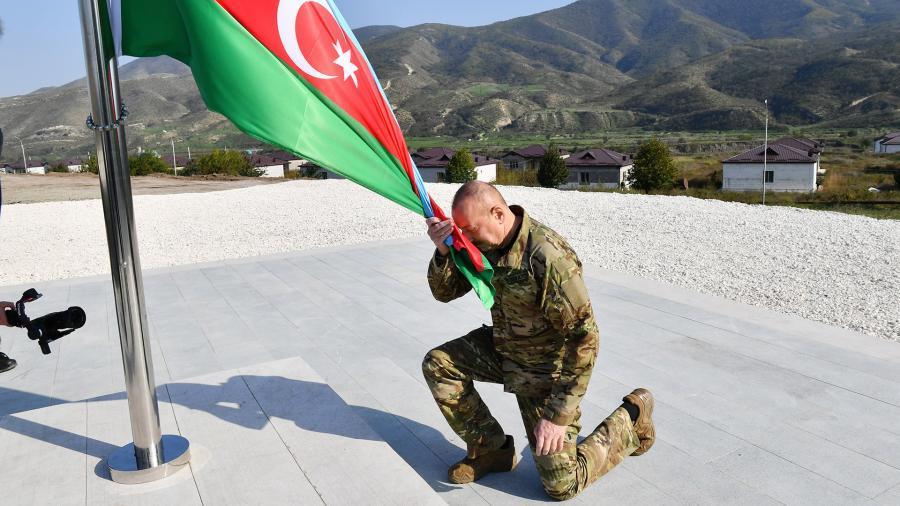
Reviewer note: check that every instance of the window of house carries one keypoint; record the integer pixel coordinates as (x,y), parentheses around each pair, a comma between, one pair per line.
(770,176)
(585,178)
(441,177)
(513,165)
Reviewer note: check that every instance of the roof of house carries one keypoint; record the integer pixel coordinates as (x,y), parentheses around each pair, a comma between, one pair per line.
(802,144)
(533,151)
(598,157)
(777,153)
(891,139)
(425,154)
(283,155)
(19,166)
(265,161)
(442,158)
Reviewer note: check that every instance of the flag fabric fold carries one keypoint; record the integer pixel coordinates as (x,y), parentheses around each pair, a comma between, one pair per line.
(291,73)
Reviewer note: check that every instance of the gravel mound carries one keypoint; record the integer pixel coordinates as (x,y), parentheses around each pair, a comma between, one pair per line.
(830,267)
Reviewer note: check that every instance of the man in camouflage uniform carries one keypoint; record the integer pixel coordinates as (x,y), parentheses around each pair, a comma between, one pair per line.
(541,347)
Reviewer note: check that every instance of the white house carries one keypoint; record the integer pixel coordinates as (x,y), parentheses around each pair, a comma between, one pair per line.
(272,167)
(433,163)
(791,166)
(74,165)
(890,143)
(596,168)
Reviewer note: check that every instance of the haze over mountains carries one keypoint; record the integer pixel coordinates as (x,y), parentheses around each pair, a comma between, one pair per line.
(594,64)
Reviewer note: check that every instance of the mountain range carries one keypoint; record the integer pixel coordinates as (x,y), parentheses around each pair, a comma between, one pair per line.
(588,66)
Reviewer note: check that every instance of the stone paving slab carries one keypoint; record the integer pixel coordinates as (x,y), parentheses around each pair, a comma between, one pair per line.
(248,446)
(754,407)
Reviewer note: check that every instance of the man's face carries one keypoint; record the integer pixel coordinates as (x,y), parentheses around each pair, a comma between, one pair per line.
(480,223)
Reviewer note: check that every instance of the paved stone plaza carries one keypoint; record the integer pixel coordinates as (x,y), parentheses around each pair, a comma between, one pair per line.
(297,380)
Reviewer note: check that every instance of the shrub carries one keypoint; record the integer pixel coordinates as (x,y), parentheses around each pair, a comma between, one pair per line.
(146,163)
(553,171)
(461,168)
(654,169)
(514,177)
(91,165)
(230,163)
(60,167)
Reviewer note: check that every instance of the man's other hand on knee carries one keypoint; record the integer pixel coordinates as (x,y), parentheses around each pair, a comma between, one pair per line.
(549,437)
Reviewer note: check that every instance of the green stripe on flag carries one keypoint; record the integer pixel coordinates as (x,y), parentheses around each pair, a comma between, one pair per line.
(480,281)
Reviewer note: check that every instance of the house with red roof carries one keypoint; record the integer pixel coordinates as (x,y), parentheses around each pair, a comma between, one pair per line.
(890,143)
(787,165)
(596,168)
(528,158)
(20,168)
(432,164)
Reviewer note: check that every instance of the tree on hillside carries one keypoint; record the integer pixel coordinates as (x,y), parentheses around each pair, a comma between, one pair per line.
(552,171)
(461,168)
(654,168)
(146,163)
(231,163)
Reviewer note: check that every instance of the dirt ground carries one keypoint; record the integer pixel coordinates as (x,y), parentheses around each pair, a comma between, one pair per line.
(25,189)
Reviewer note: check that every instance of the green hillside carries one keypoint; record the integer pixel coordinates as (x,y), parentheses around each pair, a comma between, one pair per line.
(850,80)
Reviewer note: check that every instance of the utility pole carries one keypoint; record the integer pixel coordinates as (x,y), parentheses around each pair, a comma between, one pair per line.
(189,153)
(24,159)
(765,153)
(174,161)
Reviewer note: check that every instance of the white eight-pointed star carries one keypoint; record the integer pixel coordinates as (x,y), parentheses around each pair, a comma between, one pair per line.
(343,60)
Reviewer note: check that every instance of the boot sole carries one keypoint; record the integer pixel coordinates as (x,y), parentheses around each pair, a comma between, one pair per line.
(650,437)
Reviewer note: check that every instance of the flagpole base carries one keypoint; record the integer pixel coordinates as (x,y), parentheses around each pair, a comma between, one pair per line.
(123,468)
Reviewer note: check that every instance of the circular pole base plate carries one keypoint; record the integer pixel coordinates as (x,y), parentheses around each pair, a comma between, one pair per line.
(123,465)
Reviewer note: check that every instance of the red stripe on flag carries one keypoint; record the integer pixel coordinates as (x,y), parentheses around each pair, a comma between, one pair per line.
(322,44)
(323,54)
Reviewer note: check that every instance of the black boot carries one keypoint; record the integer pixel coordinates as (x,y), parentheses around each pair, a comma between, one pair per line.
(6,363)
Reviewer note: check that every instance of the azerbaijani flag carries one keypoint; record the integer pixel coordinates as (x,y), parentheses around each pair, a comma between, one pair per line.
(291,73)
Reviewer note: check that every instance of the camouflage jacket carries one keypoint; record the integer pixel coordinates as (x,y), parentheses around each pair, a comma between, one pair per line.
(544,327)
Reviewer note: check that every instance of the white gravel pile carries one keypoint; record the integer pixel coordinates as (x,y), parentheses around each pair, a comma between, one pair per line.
(834,268)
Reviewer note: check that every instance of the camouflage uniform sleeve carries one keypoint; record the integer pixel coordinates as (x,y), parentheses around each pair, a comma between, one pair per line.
(445,280)
(567,305)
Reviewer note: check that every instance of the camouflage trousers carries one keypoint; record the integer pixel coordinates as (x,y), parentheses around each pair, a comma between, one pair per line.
(450,370)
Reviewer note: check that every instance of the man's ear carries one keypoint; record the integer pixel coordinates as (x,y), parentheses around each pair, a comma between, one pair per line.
(497,212)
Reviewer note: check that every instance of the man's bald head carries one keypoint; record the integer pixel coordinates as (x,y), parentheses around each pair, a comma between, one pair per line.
(479,192)
(483,215)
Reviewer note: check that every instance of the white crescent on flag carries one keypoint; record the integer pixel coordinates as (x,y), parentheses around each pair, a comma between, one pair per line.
(287,30)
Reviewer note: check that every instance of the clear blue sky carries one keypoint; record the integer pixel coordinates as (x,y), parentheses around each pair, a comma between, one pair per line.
(41,44)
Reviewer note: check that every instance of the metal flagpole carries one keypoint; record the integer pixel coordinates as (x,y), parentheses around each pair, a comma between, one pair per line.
(766,153)
(151,456)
